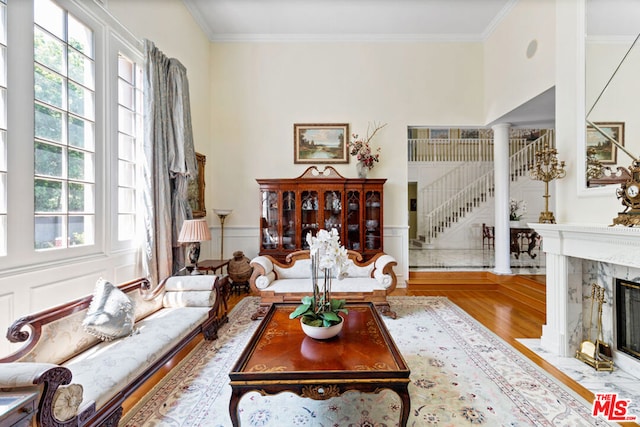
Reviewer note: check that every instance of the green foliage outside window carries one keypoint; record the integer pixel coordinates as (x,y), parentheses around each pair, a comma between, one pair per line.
(48,195)
(48,123)
(48,159)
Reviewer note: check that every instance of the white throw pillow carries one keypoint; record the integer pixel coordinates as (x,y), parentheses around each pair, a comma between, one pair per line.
(111,313)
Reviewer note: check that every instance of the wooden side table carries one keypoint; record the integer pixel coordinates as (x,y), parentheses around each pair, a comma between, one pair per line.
(211,265)
(523,240)
(17,408)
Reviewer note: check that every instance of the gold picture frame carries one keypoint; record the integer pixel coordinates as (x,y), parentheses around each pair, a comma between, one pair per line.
(196,189)
(320,143)
(604,150)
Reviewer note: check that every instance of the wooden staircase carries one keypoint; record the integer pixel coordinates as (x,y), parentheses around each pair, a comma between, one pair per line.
(529,292)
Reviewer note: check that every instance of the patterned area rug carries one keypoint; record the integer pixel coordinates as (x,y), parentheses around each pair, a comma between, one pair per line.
(461,375)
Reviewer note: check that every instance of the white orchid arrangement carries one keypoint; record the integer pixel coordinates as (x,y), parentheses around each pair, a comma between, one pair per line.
(517,209)
(329,255)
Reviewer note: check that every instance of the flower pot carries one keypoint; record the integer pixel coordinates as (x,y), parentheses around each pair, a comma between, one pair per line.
(322,332)
(362,170)
(239,268)
(514,224)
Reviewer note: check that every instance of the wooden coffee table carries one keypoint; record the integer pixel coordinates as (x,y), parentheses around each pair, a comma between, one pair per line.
(280,357)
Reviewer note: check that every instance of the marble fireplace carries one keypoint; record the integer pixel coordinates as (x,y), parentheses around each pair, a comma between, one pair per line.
(628,317)
(576,256)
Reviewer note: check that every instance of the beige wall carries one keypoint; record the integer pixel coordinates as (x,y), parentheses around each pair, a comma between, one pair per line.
(575,204)
(511,78)
(259,90)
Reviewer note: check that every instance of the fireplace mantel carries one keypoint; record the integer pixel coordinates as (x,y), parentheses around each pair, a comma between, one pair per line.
(616,245)
(566,247)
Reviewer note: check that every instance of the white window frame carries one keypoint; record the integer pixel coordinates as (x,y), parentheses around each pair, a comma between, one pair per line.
(109,37)
(3,146)
(119,45)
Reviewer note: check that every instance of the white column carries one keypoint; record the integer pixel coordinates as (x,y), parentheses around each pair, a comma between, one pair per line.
(554,332)
(501,193)
(562,331)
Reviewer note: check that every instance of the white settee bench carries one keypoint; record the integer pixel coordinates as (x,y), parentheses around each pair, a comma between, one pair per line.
(84,380)
(369,281)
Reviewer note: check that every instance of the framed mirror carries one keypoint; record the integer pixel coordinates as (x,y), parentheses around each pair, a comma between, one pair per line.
(612,89)
(196,189)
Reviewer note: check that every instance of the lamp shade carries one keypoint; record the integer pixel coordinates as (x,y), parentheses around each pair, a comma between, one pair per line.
(222,212)
(194,230)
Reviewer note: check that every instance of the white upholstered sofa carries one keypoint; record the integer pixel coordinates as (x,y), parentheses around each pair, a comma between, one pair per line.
(83,379)
(289,281)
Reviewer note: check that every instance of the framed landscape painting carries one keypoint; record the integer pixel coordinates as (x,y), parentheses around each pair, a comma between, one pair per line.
(320,143)
(604,150)
(195,192)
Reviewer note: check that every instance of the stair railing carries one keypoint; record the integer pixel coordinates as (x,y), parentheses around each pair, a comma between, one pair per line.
(446,186)
(479,190)
(457,150)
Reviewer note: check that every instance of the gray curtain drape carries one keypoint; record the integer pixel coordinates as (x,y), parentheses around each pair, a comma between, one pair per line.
(169,162)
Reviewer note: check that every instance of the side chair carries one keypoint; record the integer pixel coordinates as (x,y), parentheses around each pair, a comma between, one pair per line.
(488,233)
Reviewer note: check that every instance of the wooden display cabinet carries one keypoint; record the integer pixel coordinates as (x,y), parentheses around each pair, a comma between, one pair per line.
(291,208)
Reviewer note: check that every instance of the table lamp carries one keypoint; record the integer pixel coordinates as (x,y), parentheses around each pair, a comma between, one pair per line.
(194,231)
(222,214)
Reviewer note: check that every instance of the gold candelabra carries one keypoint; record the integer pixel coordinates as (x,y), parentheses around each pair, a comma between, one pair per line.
(594,166)
(547,168)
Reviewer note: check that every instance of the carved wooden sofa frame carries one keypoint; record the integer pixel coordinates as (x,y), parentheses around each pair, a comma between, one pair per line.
(379,270)
(52,377)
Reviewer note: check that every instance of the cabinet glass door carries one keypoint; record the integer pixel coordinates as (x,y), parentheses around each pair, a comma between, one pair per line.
(353,221)
(269,222)
(289,219)
(309,216)
(333,211)
(372,220)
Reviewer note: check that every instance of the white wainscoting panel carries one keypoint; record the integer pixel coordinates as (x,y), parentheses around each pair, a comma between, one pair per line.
(40,287)
(6,318)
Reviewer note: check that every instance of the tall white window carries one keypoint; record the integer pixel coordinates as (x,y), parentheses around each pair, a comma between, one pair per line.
(129,137)
(70,126)
(64,118)
(3,127)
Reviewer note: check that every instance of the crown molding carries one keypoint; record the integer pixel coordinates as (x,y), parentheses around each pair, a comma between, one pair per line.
(344,38)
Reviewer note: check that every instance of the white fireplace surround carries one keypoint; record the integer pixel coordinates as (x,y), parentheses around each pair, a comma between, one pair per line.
(576,256)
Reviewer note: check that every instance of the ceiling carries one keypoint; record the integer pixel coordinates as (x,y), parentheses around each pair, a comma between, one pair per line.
(468,20)
(365,20)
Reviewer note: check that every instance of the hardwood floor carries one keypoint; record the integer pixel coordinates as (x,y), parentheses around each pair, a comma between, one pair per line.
(504,304)
(486,297)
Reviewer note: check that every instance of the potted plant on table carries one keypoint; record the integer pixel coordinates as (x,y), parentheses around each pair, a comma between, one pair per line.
(517,209)
(319,310)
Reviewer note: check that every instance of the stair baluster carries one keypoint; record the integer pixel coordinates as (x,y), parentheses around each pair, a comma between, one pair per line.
(451,199)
